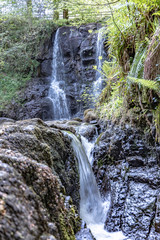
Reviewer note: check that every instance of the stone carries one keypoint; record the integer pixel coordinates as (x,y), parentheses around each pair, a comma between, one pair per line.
(126,169)
(88,131)
(83,234)
(36,162)
(135,161)
(90,115)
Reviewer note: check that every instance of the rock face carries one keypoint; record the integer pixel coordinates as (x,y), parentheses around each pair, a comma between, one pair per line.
(37,173)
(78,50)
(127,167)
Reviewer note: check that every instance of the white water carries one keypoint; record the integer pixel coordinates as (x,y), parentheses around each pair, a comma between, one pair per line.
(98,84)
(88,147)
(56,93)
(92,209)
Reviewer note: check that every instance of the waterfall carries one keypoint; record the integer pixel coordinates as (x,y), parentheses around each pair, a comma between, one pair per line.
(91,205)
(92,209)
(56,93)
(88,147)
(98,84)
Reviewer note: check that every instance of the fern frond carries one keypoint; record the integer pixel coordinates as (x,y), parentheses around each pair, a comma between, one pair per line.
(145,83)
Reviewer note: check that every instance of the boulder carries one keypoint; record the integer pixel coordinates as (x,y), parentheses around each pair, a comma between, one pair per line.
(90,115)
(37,170)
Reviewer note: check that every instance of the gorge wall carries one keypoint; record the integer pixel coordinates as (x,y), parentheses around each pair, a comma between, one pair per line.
(127,168)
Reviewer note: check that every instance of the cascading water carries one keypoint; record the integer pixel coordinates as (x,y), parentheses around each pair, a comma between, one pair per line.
(56,93)
(91,205)
(98,84)
(92,209)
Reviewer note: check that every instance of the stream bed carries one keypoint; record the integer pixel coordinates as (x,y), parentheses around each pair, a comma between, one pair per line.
(93,209)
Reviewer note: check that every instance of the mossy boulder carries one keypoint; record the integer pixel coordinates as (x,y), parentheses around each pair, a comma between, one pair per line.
(37,168)
(89,115)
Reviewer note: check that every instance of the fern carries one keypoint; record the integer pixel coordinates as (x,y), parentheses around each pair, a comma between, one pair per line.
(138,63)
(145,83)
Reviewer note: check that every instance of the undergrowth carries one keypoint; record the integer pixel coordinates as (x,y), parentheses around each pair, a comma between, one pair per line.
(128,97)
(21,40)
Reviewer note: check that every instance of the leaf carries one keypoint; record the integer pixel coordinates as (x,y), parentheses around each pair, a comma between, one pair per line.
(95,67)
(145,83)
(90,30)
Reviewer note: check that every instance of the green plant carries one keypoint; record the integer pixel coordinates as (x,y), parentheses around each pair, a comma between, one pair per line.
(21,42)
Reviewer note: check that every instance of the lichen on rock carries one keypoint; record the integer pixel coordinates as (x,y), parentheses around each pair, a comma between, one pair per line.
(36,165)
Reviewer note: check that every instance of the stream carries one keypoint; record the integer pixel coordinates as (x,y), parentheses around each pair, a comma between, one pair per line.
(93,209)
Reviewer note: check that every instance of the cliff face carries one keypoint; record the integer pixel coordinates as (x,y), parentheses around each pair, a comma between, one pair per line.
(78,50)
(127,168)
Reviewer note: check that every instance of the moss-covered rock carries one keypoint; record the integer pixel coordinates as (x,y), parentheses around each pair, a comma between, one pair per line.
(36,163)
(89,115)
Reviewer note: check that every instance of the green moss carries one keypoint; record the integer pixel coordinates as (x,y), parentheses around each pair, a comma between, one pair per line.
(99,138)
(66,231)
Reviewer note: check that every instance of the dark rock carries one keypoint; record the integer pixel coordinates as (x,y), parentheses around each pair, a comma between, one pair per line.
(88,131)
(135,161)
(33,101)
(78,49)
(46,68)
(126,167)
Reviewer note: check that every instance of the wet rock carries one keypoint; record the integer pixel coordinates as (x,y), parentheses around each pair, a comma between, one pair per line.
(88,131)
(135,161)
(126,166)
(62,126)
(4,120)
(155,227)
(139,210)
(46,68)
(84,234)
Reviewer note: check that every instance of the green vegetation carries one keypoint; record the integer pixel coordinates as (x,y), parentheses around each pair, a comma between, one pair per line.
(21,40)
(127,95)
(24,27)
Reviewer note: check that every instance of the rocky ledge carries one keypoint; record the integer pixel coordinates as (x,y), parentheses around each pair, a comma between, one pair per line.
(38,174)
